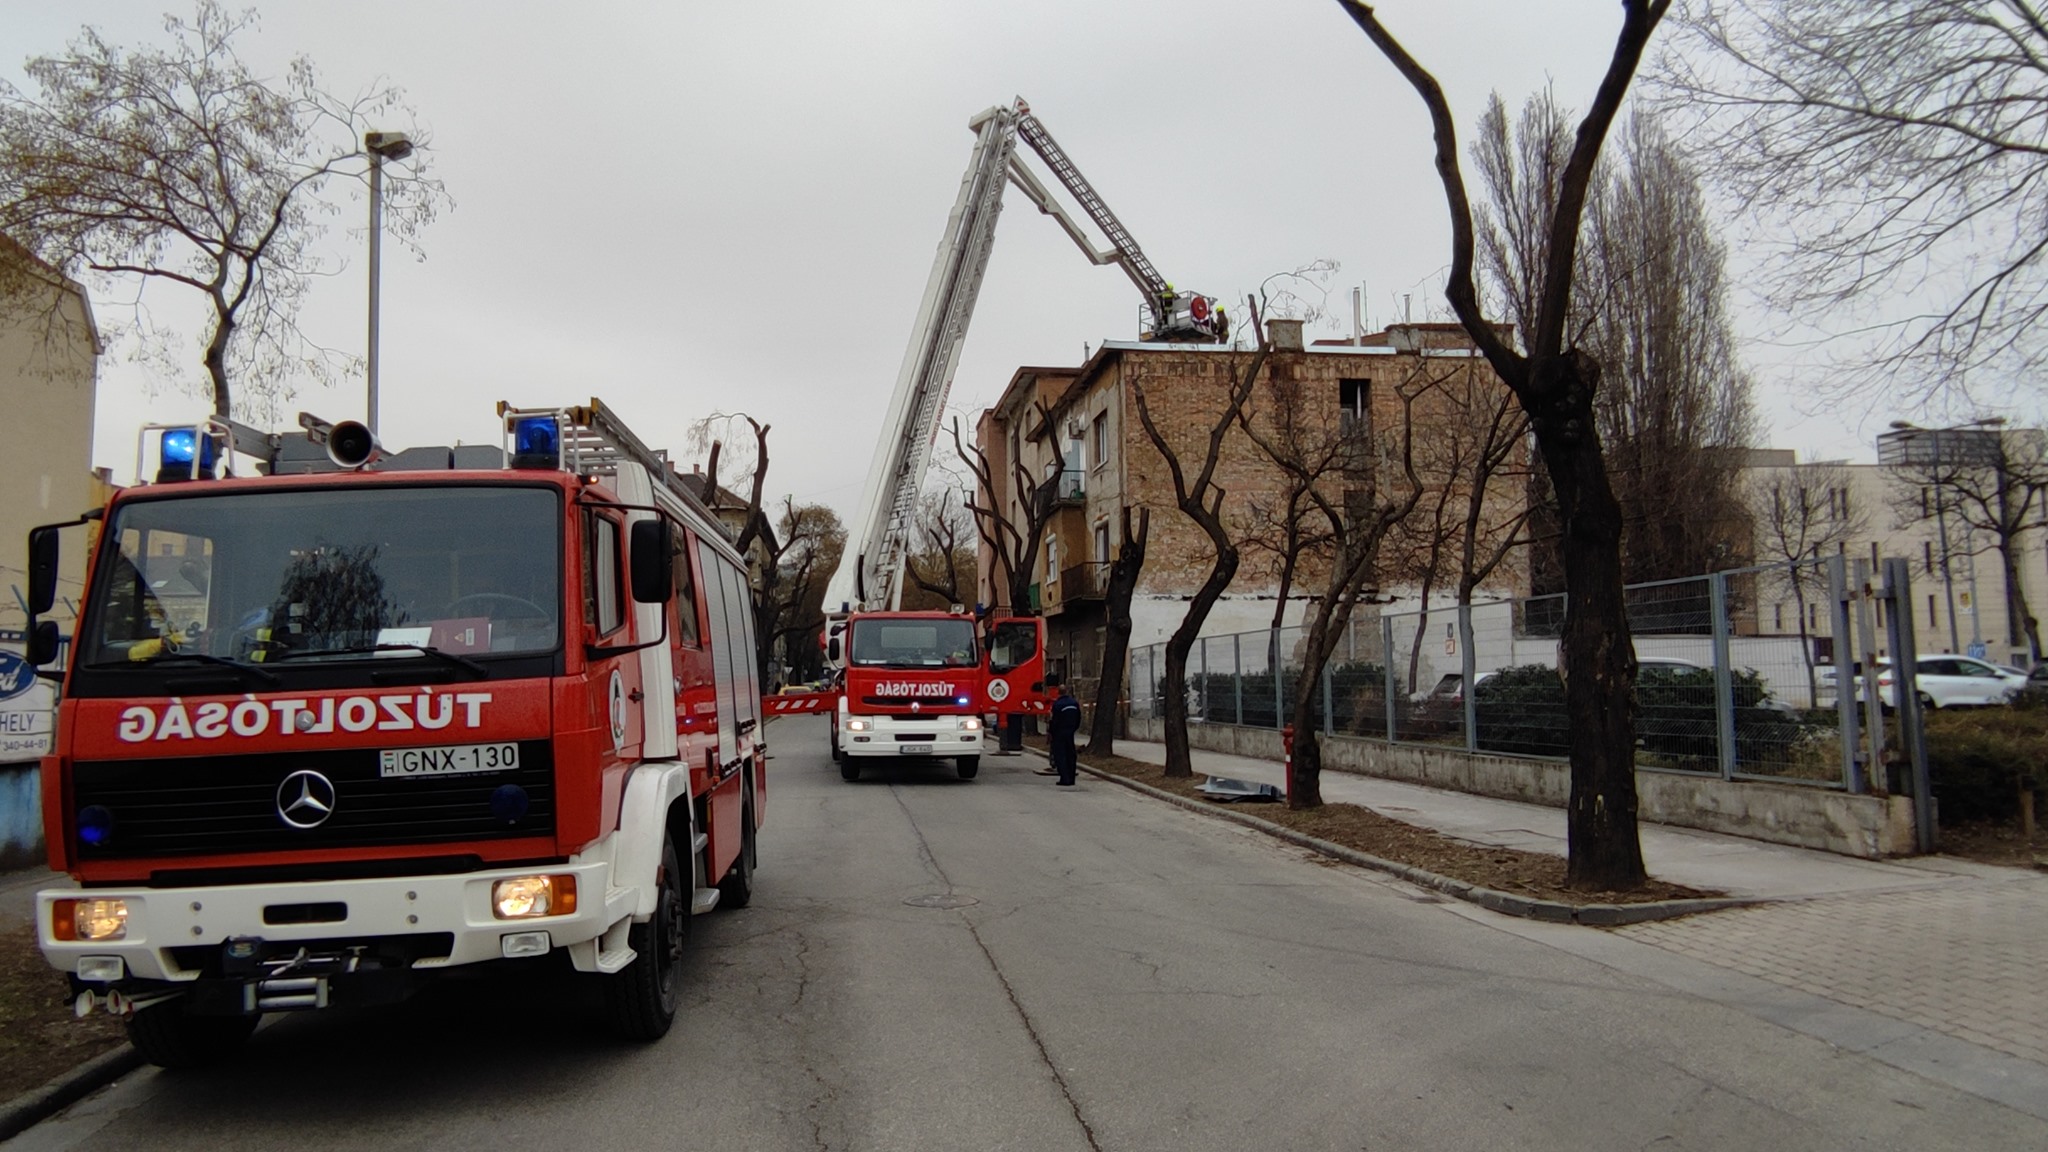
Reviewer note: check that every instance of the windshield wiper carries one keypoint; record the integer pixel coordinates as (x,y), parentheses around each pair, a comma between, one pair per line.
(260,675)
(475,669)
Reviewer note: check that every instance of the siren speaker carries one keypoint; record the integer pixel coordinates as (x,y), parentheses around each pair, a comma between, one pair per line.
(351,445)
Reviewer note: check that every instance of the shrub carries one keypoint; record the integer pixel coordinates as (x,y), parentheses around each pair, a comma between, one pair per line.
(1981,758)
(1521,710)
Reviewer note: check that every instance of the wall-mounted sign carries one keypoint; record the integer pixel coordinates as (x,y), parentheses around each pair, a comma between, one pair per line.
(28,710)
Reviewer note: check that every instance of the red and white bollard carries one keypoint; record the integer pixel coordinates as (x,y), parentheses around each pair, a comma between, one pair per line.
(1287,762)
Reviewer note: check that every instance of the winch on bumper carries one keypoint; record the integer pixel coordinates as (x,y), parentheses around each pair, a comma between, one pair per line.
(278,947)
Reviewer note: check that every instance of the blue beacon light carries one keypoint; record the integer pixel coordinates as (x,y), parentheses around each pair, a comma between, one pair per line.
(175,449)
(536,442)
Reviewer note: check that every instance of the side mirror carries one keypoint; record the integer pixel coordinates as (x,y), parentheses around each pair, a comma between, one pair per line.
(42,643)
(652,561)
(42,569)
(832,650)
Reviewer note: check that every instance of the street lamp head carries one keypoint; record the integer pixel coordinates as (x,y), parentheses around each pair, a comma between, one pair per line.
(388,145)
(1903,425)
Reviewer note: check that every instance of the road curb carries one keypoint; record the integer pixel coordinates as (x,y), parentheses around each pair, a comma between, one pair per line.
(37,1104)
(1506,903)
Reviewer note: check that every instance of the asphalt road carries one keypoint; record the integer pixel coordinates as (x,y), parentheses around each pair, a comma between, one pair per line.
(1117,974)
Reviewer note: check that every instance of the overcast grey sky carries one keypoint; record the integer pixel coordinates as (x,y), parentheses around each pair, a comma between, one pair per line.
(688,207)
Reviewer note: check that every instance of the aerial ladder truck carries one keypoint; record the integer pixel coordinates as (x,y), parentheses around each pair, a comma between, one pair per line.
(905,682)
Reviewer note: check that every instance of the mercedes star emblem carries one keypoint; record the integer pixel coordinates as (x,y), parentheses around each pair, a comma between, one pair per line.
(305,799)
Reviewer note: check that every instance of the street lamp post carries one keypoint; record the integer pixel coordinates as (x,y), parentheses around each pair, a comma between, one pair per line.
(381,146)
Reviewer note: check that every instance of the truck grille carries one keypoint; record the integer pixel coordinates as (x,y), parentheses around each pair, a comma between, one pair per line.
(228,804)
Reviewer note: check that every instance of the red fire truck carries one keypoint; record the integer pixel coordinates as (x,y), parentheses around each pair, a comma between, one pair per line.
(919,684)
(326,735)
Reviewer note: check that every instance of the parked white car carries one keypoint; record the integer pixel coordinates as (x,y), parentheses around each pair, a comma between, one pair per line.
(1949,681)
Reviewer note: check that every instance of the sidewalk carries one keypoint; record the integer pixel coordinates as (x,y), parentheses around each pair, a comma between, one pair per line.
(1949,945)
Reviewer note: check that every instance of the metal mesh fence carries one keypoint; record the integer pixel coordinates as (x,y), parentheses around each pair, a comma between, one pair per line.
(1736,676)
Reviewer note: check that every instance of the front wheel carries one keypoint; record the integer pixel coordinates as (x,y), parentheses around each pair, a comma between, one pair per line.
(170,1037)
(849,769)
(642,997)
(969,765)
(1927,703)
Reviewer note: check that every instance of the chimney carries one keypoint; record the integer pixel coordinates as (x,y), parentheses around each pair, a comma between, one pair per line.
(1285,334)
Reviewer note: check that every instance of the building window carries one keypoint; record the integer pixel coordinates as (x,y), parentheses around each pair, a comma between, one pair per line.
(1927,554)
(1933,617)
(1101,431)
(1354,398)
(1052,560)
(1778,617)
(1102,555)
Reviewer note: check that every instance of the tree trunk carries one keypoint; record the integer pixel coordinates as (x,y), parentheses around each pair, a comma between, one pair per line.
(1305,766)
(2020,625)
(1597,656)
(1421,633)
(1178,761)
(217,364)
(1116,637)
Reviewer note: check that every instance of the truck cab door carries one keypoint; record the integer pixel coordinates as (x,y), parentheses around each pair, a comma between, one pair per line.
(1016,665)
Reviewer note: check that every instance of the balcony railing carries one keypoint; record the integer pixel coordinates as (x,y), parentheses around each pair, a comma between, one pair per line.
(1089,581)
(1067,488)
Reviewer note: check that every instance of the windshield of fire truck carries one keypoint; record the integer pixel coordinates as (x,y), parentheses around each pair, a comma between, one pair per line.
(265,577)
(913,643)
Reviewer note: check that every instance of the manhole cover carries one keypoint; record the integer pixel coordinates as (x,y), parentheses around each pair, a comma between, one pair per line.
(941,900)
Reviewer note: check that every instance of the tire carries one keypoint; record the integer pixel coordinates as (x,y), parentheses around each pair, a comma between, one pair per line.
(737,889)
(832,740)
(1927,703)
(849,769)
(171,1038)
(642,997)
(969,765)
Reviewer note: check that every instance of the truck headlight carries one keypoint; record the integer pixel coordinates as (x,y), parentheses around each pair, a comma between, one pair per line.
(89,919)
(970,723)
(524,897)
(858,725)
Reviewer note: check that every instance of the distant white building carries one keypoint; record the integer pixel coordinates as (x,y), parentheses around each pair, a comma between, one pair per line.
(1872,511)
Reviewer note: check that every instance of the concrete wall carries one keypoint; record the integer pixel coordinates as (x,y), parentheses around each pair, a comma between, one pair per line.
(1805,817)
(21,817)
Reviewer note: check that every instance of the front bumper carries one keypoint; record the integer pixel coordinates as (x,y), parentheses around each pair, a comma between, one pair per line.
(898,736)
(177,935)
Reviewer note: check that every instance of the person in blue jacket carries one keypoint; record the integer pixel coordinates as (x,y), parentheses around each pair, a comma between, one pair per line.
(1064,723)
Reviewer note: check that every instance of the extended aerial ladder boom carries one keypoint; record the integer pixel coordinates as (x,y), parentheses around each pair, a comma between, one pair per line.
(870,572)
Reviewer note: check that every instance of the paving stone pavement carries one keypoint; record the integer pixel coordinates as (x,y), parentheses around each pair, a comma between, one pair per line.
(1969,959)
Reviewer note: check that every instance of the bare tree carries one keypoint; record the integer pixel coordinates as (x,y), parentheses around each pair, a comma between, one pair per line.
(177,165)
(1650,307)
(1459,535)
(809,541)
(1116,639)
(1332,474)
(1013,540)
(1200,499)
(1803,515)
(1989,480)
(1898,152)
(942,564)
(1557,383)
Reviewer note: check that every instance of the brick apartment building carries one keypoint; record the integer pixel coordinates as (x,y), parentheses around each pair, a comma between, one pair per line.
(1088,458)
